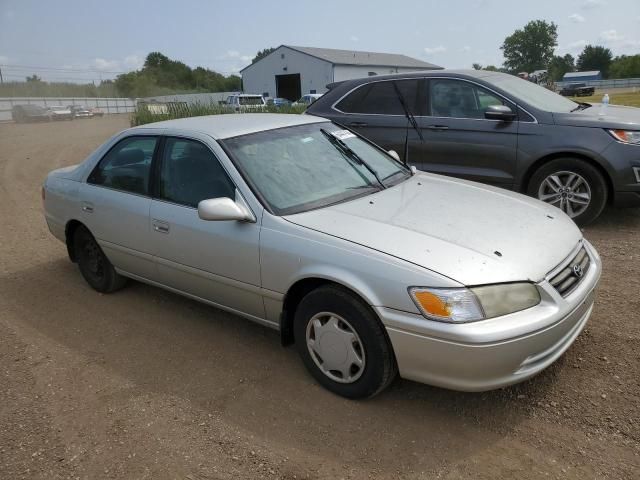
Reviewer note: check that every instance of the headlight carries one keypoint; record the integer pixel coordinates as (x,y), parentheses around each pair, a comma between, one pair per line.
(626,136)
(462,305)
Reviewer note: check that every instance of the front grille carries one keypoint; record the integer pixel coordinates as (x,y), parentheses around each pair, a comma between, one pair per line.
(567,279)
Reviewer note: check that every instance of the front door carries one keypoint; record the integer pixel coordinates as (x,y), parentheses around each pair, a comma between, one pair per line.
(213,260)
(460,142)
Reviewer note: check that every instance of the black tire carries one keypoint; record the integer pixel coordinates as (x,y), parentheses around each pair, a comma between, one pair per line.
(595,181)
(379,368)
(93,263)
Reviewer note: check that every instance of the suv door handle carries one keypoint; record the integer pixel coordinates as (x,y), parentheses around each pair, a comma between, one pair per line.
(87,207)
(160,226)
(358,124)
(438,127)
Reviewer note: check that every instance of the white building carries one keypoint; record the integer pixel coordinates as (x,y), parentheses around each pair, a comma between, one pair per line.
(290,72)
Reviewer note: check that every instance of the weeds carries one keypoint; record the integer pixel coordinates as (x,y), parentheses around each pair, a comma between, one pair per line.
(150,112)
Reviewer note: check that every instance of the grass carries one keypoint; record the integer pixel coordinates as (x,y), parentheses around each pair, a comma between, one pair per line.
(145,113)
(629,99)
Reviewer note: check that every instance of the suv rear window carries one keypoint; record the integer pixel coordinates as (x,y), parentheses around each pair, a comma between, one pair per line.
(381,98)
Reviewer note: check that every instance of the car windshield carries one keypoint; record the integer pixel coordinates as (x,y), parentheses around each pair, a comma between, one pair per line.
(535,95)
(296,169)
(58,109)
(251,100)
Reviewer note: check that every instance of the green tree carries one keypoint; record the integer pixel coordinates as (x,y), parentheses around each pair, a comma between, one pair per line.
(558,66)
(262,54)
(625,67)
(477,66)
(595,57)
(161,75)
(34,78)
(530,48)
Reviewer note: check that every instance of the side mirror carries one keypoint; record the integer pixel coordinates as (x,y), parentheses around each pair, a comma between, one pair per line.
(223,208)
(394,154)
(499,112)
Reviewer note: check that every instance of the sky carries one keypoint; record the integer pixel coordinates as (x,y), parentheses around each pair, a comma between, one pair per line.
(85,40)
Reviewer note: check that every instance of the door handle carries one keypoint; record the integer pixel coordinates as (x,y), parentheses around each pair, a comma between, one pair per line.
(160,226)
(87,207)
(438,128)
(358,124)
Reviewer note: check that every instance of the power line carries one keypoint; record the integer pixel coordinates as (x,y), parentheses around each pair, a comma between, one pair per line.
(68,70)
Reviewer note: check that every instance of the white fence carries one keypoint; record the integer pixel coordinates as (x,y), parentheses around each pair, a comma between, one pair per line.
(604,84)
(108,105)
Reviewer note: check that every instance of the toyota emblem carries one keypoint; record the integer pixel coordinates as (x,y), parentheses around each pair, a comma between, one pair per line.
(577,270)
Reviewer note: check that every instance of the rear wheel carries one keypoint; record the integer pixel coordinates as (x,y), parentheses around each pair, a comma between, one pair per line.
(93,263)
(343,344)
(573,185)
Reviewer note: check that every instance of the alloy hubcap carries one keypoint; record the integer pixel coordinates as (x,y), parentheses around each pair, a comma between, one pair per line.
(335,347)
(568,191)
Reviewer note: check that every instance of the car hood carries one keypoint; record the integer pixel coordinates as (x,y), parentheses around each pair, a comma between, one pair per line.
(471,233)
(616,116)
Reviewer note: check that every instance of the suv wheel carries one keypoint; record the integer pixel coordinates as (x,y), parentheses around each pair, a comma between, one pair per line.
(573,185)
(343,344)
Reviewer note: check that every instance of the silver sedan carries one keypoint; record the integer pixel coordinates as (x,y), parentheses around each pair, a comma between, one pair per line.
(370,268)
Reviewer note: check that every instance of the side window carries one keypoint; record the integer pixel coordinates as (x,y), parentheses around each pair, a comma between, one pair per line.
(381,98)
(458,99)
(190,173)
(126,166)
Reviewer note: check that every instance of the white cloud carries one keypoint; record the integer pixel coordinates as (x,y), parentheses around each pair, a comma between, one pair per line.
(630,45)
(576,18)
(232,54)
(9,15)
(246,58)
(353,38)
(434,50)
(589,4)
(4,59)
(103,64)
(465,49)
(574,47)
(610,36)
(133,61)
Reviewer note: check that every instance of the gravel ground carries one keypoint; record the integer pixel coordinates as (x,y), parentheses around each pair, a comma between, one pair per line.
(147,384)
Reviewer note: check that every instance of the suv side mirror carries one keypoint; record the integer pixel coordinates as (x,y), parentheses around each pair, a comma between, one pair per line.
(222,209)
(499,112)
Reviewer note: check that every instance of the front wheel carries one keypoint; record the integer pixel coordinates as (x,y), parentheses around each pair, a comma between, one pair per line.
(94,266)
(343,344)
(573,185)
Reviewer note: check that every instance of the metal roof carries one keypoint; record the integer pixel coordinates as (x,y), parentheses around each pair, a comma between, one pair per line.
(232,125)
(355,57)
(591,73)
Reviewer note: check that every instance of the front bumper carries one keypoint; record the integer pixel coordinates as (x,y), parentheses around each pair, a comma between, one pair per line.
(497,352)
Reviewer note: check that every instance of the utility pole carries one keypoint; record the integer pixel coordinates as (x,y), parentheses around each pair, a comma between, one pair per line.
(1,80)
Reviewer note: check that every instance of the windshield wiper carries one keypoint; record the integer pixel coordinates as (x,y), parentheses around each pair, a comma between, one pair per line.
(581,106)
(349,153)
(412,121)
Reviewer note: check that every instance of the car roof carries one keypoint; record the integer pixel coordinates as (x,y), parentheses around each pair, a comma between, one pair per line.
(233,125)
(471,74)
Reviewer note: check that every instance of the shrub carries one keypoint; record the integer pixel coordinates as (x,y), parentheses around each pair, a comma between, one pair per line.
(150,112)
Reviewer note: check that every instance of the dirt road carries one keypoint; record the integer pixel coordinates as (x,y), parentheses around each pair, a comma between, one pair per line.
(147,384)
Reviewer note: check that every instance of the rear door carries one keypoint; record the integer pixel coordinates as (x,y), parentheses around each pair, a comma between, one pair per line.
(460,142)
(115,204)
(374,111)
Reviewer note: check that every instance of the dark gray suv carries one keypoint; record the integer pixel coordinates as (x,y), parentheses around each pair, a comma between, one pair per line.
(498,129)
